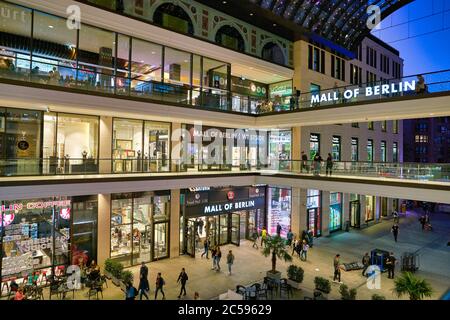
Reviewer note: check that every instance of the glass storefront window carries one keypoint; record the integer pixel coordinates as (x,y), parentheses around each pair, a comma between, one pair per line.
(395,152)
(123,64)
(370,208)
(383,151)
(138,223)
(35,235)
(157,145)
(146,65)
(279,210)
(370,150)
(355,149)
(314,211)
(335,211)
(280,146)
(314,145)
(177,69)
(127,144)
(336,148)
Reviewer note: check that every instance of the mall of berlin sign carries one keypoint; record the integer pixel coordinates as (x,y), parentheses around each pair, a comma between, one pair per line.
(383,89)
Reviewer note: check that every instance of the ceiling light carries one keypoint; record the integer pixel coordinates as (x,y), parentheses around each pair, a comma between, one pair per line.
(51,27)
(274,25)
(251,68)
(186,61)
(224,2)
(251,13)
(153,52)
(431,114)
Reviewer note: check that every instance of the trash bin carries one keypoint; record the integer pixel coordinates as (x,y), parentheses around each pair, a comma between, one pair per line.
(378,257)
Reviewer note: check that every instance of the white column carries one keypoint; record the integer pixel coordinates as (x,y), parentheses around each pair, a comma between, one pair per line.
(175,147)
(325,213)
(105,140)
(103,231)
(174,223)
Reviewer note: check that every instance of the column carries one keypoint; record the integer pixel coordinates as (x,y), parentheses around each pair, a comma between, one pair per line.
(362,211)
(174,223)
(345,209)
(303,222)
(325,213)
(298,215)
(175,147)
(103,231)
(105,142)
(296,147)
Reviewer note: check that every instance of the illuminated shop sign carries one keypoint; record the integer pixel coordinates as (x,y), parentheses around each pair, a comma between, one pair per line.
(241,205)
(384,89)
(34,205)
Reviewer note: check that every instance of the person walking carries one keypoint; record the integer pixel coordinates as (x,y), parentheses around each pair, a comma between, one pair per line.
(395,216)
(144,285)
(366,263)
(310,238)
(206,244)
(294,245)
(159,284)
(218,257)
(255,239)
(278,229)
(230,261)
(130,292)
(182,278)
(304,165)
(298,248)
(337,268)
(394,231)
(422,222)
(263,235)
(214,257)
(317,163)
(390,264)
(329,167)
(289,237)
(304,251)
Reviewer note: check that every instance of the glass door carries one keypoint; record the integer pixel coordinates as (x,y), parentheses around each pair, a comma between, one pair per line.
(190,237)
(235,228)
(243,232)
(355,220)
(223,229)
(161,240)
(314,223)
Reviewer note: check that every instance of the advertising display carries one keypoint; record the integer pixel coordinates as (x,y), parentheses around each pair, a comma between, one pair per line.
(314,212)
(314,145)
(335,211)
(279,210)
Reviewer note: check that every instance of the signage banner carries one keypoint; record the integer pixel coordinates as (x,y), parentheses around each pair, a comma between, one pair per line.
(212,209)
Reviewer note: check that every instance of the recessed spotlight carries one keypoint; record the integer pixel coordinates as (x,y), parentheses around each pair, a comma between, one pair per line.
(51,27)
(251,13)
(274,25)
(431,114)
(224,2)
(153,52)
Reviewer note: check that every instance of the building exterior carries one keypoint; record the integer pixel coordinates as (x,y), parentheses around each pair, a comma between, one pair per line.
(427,140)
(112,90)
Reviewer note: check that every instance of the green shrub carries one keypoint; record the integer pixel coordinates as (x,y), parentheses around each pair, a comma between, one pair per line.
(127,276)
(114,267)
(347,294)
(108,265)
(322,284)
(295,273)
(378,297)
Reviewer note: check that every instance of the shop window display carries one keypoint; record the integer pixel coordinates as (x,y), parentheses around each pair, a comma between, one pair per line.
(335,211)
(314,212)
(138,224)
(370,208)
(314,145)
(35,235)
(280,146)
(279,210)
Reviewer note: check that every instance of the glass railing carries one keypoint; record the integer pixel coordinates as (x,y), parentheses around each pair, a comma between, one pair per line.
(436,172)
(408,86)
(101,79)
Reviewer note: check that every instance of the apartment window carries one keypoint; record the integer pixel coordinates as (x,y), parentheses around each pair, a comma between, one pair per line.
(316,59)
(370,150)
(422,127)
(355,124)
(421,138)
(395,152)
(359,53)
(383,125)
(371,78)
(355,149)
(384,63)
(371,57)
(396,70)
(395,126)
(370,125)
(355,74)
(383,151)
(337,68)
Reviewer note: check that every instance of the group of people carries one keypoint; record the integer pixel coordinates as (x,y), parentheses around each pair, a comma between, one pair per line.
(144,286)
(302,245)
(425,222)
(317,164)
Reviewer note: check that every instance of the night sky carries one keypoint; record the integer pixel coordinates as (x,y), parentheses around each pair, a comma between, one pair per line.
(422,49)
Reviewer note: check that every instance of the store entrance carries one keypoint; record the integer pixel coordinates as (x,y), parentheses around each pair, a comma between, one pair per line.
(221,229)
(314,223)
(355,219)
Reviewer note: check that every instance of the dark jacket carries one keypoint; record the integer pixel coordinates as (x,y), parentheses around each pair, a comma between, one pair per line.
(143,284)
(143,272)
(366,260)
(183,277)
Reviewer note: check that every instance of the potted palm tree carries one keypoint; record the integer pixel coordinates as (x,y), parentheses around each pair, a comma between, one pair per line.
(295,276)
(275,247)
(415,287)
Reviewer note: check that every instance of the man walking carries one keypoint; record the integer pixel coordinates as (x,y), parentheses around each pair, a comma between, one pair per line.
(395,216)
(159,284)
(144,286)
(329,167)
(390,264)
(230,261)
(278,229)
(304,252)
(218,257)
(206,247)
(394,231)
(366,263)
(255,239)
(263,235)
(304,162)
(289,236)
(337,268)
(182,278)
(213,257)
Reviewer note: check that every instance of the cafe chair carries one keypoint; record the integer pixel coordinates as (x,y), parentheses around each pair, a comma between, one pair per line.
(95,290)
(240,290)
(285,288)
(262,292)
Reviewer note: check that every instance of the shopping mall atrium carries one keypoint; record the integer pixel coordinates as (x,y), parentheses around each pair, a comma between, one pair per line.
(152,132)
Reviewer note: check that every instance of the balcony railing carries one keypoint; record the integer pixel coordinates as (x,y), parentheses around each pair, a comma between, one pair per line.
(436,172)
(102,80)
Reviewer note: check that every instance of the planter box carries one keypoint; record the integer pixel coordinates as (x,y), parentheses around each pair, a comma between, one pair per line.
(108,275)
(274,276)
(115,281)
(294,284)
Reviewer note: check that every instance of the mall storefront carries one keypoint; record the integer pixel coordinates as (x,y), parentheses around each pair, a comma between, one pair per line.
(140,224)
(225,215)
(46,235)
(314,212)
